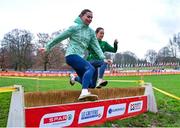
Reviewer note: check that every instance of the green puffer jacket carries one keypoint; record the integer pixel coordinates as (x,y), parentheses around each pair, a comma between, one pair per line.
(105,48)
(81,38)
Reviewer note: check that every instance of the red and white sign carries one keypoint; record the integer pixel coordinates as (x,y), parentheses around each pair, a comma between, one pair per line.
(135,106)
(58,119)
(85,113)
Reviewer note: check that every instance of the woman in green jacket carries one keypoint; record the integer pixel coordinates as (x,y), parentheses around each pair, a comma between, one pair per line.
(95,60)
(81,38)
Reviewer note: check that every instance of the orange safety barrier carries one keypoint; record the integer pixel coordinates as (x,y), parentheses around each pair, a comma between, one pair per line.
(22,74)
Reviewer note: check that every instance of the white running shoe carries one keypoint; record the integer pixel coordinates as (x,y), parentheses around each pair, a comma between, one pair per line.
(88,97)
(72,79)
(101,83)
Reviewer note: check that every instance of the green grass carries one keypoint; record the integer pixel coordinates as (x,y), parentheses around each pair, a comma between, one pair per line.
(169,108)
(4,108)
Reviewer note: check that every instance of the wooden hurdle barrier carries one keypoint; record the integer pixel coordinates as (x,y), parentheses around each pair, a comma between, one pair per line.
(79,113)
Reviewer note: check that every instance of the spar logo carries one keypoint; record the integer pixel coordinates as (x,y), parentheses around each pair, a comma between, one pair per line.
(135,106)
(57,119)
(91,114)
(116,110)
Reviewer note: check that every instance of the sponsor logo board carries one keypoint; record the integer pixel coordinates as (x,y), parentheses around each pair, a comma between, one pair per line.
(58,119)
(91,114)
(116,110)
(135,106)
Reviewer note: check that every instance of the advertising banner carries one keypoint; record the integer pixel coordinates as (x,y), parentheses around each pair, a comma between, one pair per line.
(85,113)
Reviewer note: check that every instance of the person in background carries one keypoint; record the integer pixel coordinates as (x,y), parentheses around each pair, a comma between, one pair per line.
(95,60)
(81,37)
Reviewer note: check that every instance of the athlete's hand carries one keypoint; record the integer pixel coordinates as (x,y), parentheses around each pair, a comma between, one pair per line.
(108,61)
(116,41)
(42,50)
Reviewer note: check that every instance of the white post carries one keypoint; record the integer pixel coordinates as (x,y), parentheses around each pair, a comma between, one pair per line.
(152,106)
(16,111)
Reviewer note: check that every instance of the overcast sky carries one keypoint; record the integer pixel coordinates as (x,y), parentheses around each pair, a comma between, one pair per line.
(139,25)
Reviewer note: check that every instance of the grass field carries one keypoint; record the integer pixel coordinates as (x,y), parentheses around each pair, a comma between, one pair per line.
(167,116)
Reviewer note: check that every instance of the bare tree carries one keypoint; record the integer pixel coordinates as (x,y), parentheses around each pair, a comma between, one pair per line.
(43,38)
(118,59)
(151,56)
(173,48)
(53,59)
(129,57)
(165,52)
(20,48)
(3,58)
(176,39)
(125,58)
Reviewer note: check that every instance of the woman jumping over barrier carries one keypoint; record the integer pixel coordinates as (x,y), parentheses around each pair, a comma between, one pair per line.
(81,38)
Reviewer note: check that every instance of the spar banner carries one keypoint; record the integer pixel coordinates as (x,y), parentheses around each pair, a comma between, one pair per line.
(85,113)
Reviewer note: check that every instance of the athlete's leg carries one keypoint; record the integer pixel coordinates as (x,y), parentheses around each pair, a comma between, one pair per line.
(102,70)
(83,69)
